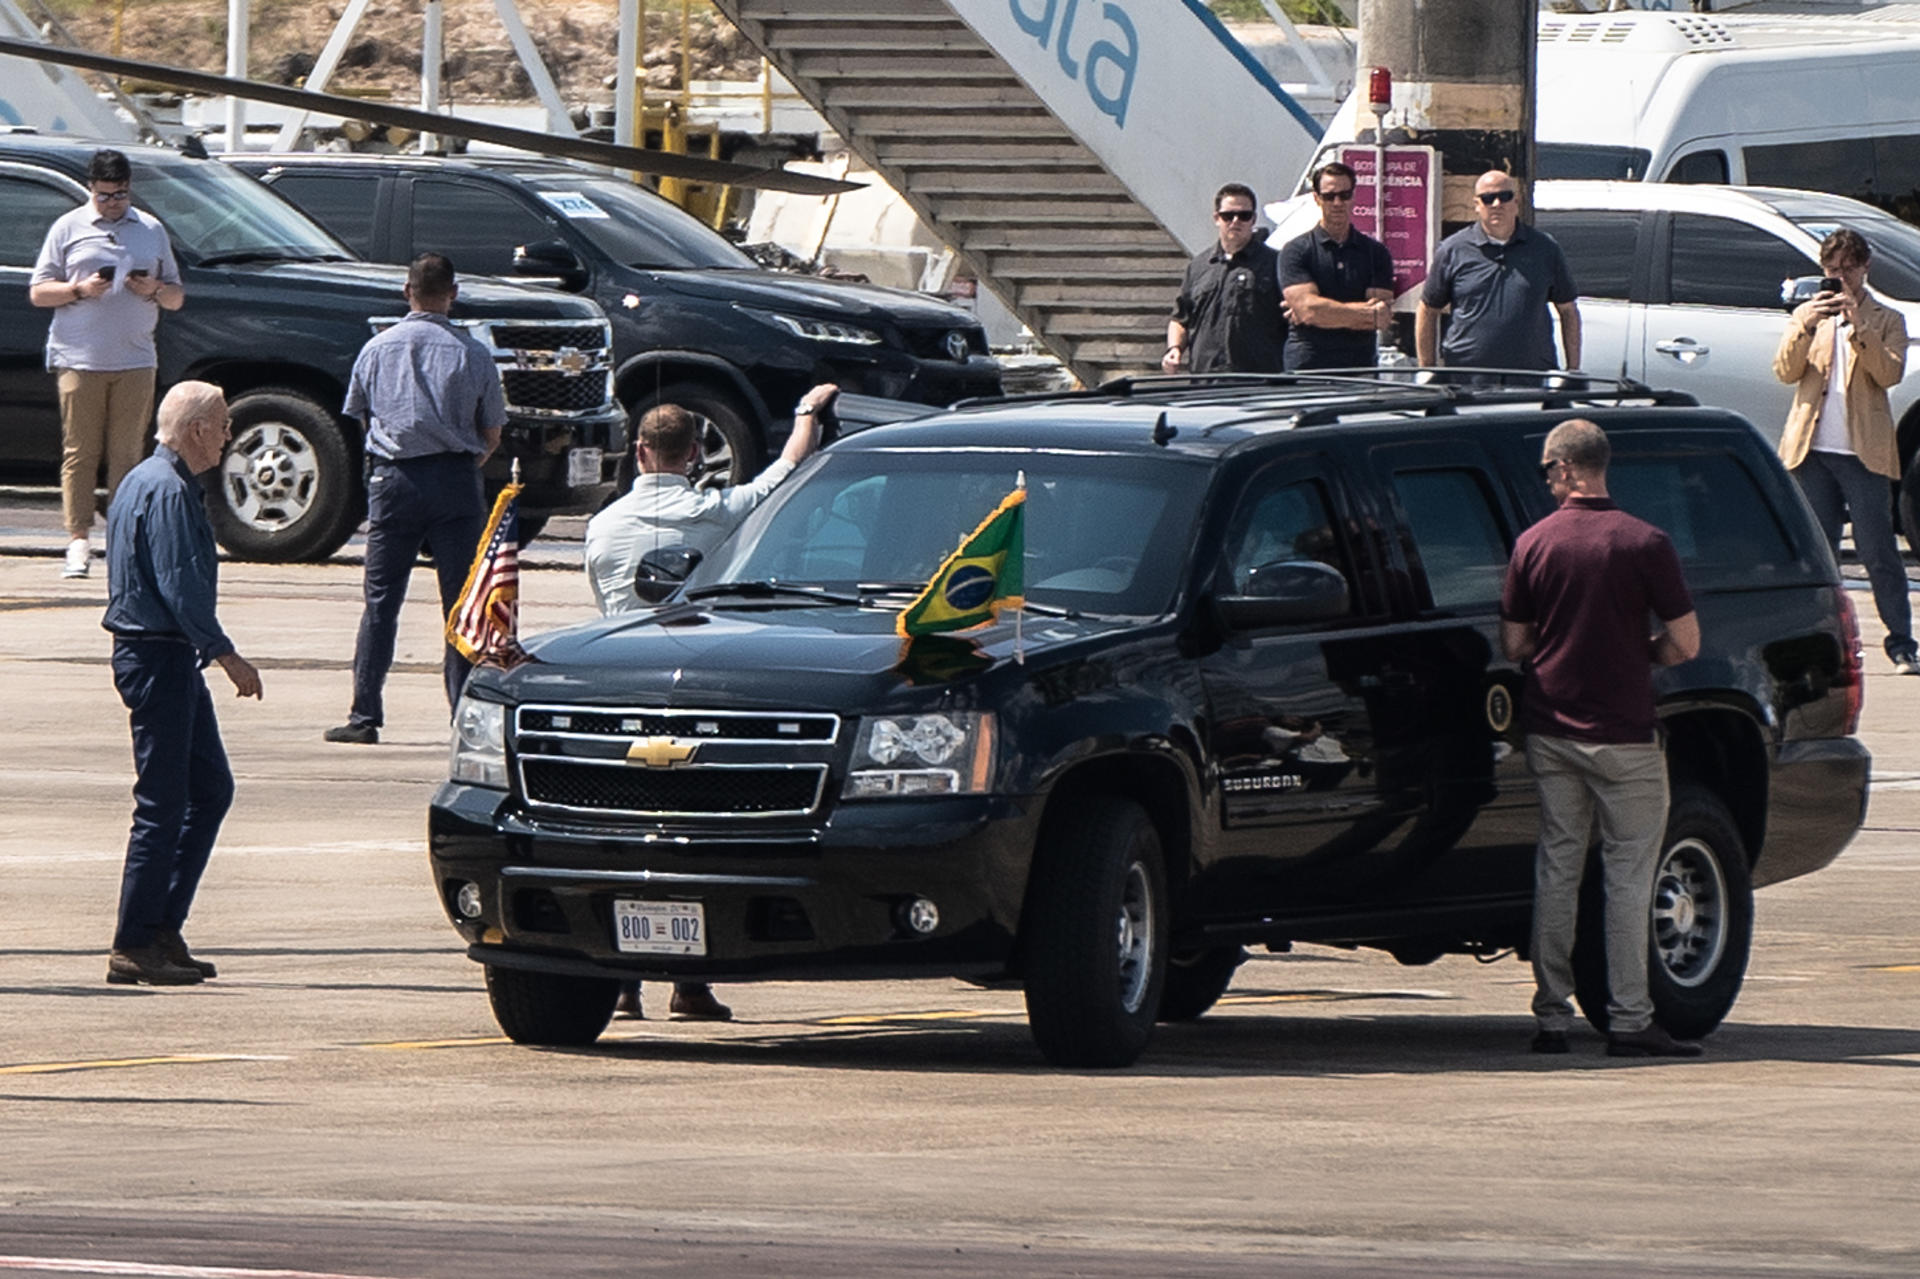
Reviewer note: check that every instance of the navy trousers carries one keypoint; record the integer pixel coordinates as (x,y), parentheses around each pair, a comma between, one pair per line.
(434,502)
(182,786)
(1840,488)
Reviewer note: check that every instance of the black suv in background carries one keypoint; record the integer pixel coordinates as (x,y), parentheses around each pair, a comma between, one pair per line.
(276,311)
(1262,702)
(695,321)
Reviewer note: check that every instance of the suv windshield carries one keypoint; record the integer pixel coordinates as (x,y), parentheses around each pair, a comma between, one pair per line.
(636,227)
(213,212)
(1104,534)
(1895,270)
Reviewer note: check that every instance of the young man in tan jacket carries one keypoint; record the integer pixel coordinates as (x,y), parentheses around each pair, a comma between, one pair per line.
(1841,352)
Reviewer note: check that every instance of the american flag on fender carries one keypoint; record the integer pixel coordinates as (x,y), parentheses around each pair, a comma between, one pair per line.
(485,622)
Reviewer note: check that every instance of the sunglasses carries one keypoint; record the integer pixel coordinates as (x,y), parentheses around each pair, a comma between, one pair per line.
(1495,197)
(1234,215)
(108,197)
(1335,196)
(1548,469)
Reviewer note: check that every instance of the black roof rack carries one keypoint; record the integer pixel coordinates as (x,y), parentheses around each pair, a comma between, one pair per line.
(1327,397)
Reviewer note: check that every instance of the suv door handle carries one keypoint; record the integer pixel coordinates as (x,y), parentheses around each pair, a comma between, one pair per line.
(1686,349)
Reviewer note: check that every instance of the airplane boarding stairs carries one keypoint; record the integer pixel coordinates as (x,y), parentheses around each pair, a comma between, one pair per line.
(1066,149)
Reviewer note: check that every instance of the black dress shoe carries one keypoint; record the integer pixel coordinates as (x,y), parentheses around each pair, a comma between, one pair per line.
(357,734)
(1549,1041)
(628,1005)
(174,947)
(146,966)
(1651,1042)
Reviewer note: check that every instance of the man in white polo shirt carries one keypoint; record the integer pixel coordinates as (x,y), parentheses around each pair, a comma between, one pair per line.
(107,271)
(664,509)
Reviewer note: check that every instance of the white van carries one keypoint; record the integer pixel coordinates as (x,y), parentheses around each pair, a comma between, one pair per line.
(1819,103)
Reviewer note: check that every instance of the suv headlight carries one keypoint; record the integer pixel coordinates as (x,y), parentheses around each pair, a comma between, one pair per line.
(946,753)
(478,754)
(801,326)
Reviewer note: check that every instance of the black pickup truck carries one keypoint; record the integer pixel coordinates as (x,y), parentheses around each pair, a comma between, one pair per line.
(276,311)
(695,321)
(1257,698)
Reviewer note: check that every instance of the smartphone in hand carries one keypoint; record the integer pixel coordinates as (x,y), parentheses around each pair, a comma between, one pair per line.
(106,273)
(1830,284)
(138,274)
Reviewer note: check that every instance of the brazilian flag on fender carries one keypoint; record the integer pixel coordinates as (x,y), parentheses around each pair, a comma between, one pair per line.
(985,575)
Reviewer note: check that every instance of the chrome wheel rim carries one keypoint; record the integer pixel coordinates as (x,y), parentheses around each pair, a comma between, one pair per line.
(270,477)
(1690,912)
(1135,924)
(714,469)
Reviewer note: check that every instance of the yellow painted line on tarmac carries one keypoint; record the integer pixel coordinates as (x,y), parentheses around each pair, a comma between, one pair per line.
(123,1063)
(1894,968)
(949,1014)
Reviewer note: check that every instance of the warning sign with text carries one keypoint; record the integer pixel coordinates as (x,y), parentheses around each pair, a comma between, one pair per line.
(1411,226)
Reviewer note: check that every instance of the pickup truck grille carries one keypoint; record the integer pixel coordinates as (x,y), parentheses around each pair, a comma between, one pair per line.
(655,764)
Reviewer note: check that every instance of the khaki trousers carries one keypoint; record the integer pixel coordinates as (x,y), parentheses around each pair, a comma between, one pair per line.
(1625,789)
(102,415)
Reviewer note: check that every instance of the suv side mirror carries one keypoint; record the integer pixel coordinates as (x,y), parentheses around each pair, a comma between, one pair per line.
(1801,288)
(550,259)
(662,570)
(1287,593)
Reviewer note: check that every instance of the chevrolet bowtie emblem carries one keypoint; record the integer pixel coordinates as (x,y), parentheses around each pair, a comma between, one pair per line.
(660,752)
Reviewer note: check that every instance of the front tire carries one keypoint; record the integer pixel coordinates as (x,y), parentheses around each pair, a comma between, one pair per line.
(729,439)
(550,1011)
(1702,922)
(1094,935)
(287,488)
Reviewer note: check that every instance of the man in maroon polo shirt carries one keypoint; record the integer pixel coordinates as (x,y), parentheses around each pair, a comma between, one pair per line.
(1581,588)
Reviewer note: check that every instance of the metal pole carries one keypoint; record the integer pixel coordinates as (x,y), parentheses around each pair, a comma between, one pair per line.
(239,19)
(323,68)
(432,42)
(627,59)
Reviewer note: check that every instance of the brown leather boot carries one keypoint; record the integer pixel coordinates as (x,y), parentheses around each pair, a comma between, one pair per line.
(145,965)
(174,947)
(694,1001)
(628,1005)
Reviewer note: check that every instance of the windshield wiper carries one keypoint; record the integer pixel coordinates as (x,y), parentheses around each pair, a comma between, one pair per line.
(767,590)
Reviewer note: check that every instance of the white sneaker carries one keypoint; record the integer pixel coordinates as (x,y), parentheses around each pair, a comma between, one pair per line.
(79,558)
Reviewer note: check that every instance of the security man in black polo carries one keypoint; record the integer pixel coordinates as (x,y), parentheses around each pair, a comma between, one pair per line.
(1228,317)
(1337,281)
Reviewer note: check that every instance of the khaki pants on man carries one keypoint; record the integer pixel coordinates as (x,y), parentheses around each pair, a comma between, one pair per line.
(1625,789)
(102,415)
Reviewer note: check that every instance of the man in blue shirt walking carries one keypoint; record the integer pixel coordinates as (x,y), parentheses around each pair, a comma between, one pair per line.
(162,573)
(433,408)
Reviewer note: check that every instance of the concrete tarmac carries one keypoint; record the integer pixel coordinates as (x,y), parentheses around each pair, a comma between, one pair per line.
(339,1100)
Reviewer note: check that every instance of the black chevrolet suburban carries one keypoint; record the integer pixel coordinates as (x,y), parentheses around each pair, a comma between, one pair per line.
(695,321)
(276,311)
(1256,697)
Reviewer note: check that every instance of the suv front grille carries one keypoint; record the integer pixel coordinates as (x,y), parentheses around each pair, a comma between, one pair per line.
(691,792)
(544,391)
(549,337)
(551,368)
(548,368)
(655,764)
(938,344)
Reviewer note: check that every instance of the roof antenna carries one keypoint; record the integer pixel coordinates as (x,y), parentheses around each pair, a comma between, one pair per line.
(1163,430)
